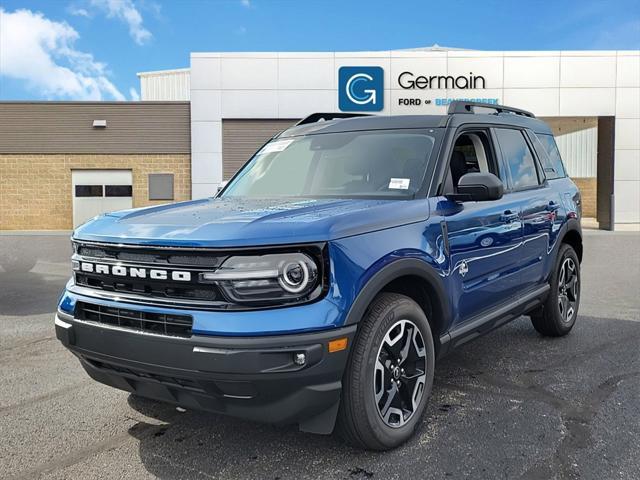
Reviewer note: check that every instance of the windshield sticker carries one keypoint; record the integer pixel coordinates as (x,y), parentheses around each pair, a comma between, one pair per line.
(399,183)
(276,146)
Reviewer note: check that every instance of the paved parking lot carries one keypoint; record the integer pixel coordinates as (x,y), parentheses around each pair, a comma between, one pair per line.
(510,405)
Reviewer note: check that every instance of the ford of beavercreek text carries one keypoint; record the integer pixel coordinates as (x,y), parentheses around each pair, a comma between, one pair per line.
(319,286)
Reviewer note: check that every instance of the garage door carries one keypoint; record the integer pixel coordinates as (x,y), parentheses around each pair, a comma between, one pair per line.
(99,191)
(241,139)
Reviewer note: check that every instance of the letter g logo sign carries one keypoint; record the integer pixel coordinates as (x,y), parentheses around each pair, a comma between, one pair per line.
(361,89)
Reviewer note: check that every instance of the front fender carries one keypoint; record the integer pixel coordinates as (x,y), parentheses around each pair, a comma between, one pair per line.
(393,270)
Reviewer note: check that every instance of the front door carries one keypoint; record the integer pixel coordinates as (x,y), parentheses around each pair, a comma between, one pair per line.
(484,238)
(484,246)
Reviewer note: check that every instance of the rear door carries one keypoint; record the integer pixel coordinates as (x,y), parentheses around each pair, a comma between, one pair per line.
(538,203)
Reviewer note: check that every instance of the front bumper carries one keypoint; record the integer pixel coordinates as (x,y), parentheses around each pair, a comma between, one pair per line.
(254,378)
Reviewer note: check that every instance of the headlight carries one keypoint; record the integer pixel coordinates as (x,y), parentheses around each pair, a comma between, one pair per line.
(268,279)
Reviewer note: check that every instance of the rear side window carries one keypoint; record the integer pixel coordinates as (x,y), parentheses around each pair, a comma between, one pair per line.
(518,158)
(549,156)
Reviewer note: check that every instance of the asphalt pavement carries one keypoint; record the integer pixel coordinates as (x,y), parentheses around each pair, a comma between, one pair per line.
(509,405)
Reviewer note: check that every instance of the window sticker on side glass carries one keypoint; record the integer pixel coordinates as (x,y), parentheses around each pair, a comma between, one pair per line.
(399,183)
(277,146)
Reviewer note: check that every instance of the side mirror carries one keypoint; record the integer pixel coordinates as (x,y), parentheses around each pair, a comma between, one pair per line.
(477,186)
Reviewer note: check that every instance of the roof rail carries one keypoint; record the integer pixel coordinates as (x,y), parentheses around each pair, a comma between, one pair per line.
(321,117)
(461,106)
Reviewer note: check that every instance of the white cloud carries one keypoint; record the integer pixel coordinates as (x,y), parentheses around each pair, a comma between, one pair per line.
(133,93)
(126,11)
(41,52)
(246,3)
(78,12)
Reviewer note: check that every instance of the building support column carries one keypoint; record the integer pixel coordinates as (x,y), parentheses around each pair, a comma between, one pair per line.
(606,166)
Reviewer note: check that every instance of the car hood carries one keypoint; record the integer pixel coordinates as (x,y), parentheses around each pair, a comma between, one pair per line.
(236,222)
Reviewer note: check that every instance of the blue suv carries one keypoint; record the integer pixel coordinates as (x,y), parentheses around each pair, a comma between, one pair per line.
(324,280)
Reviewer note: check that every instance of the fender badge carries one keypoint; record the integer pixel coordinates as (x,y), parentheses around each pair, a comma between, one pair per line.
(464,268)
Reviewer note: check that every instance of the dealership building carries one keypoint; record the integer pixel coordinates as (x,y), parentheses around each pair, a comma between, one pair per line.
(63,162)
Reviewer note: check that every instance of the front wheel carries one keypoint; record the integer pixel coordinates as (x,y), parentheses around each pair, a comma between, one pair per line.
(557,316)
(389,376)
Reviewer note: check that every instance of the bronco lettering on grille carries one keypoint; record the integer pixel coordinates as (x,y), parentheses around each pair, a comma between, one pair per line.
(135,272)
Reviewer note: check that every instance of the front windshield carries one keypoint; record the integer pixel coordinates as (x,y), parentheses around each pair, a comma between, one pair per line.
(389,163)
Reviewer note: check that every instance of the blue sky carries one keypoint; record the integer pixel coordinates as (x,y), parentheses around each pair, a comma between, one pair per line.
(92,49)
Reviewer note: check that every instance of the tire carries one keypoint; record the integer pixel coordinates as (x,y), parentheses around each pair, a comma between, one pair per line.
(557,315)
(368,384)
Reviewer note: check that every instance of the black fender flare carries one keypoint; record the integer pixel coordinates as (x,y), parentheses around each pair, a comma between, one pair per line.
(401,268)
(571,225)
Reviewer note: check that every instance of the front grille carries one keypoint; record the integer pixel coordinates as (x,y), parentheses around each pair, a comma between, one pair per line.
(158,289)
(171,277)
(148,289)
(151,256)
(158,323)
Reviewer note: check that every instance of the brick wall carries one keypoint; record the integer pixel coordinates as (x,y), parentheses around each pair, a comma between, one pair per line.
(589,191)
(35,189)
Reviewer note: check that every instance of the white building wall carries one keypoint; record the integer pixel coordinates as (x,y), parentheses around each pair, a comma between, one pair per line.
(579,151)
(627,140)
(166,85)
(292,85)
(577,139)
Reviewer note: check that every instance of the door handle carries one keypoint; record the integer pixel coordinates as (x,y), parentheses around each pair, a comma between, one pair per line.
(508,216)
(552,206)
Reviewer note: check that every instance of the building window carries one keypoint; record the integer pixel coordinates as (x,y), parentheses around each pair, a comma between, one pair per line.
(88,190)
(161,186)
(117,191)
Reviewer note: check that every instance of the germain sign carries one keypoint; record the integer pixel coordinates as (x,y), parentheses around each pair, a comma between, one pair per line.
(408,81)
(361,88)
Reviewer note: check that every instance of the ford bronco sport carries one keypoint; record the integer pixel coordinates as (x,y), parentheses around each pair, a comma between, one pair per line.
(323,281)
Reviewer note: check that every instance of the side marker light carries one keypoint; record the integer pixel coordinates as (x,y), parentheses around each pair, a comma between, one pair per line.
(338,344)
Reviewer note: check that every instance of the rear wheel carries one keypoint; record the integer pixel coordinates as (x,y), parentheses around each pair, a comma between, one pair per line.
(389,376)
(557,316)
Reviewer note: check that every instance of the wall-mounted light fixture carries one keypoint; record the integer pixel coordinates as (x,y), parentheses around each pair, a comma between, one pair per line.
(99,124)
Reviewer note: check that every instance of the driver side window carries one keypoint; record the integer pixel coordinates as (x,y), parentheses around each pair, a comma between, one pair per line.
(472,152)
